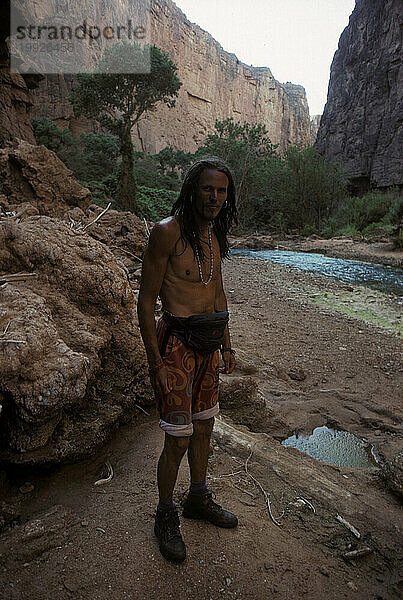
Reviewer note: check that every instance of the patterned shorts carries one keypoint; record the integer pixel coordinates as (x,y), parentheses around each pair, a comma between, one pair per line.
(194,386)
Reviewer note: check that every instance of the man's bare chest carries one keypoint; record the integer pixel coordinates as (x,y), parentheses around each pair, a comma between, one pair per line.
(187,267)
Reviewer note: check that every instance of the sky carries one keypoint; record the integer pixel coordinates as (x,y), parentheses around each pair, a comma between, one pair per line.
(296,39)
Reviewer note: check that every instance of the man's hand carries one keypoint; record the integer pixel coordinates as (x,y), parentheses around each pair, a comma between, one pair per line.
(159,381)
(229,361)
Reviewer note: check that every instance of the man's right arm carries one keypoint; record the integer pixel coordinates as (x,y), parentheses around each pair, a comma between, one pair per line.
(162,240)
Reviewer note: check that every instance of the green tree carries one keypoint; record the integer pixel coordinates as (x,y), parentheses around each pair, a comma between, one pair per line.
(117,100)
(253,159)
(315,188)
(101,153)
(173,161)
(148,172)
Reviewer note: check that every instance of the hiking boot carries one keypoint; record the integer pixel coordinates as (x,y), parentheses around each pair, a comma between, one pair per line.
(202,506)
(169,538)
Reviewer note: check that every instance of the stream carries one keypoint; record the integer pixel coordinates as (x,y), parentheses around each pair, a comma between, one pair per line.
(383,278)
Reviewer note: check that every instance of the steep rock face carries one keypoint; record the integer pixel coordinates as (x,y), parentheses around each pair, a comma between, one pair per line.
(15,109)
(216,85)
(315,124)
(15,98)
(361,126)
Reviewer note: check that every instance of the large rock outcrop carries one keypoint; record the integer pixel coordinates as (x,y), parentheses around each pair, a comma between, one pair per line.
(72,364)
(36,175)
(15,109)
(216,85)
(361,126)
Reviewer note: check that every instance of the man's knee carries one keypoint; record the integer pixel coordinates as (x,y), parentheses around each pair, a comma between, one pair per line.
(176,445)
(203,426)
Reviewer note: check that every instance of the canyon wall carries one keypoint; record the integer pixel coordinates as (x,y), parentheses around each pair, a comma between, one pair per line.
(315,124)
(216,85)
(361,127)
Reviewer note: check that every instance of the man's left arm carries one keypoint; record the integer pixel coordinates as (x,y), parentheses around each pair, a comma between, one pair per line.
(221,304)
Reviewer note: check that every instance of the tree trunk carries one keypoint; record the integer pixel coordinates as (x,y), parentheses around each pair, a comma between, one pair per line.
(127,183)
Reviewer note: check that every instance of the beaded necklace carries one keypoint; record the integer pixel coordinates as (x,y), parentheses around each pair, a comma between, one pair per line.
(210,245)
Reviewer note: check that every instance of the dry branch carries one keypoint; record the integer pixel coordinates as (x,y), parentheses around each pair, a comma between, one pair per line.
(265,494)
(13,277)
(360,552)
(142,409)
(78,227)
(147,229)
(127,252)
(108,478)
(348,525)
(98,217)
(8,341)
(311,506)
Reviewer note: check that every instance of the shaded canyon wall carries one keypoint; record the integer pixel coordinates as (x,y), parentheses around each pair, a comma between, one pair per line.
(216,85)
(361,127)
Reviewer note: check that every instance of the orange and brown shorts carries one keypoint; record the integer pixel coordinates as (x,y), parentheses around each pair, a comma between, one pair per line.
(193,378)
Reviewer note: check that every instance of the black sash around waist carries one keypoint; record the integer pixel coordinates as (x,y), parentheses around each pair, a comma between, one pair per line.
(204,333)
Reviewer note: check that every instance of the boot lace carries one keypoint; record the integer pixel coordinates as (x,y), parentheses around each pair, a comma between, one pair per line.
(170,526)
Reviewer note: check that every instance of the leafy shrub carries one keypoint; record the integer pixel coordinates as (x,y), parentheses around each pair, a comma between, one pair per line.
(395,214)
(315,188)
(48,134)
(148,172)
(91,156)
(378,230)
(154,204)
(374,207)
(349,230)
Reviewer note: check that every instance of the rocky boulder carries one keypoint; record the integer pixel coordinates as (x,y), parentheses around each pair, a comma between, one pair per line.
(241,399)
(72,363)
(35,175)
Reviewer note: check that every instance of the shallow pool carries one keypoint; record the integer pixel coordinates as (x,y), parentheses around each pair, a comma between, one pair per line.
(335,447)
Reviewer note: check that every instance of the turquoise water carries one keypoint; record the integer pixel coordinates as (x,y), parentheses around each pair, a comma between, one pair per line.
(339,448)
(385,279)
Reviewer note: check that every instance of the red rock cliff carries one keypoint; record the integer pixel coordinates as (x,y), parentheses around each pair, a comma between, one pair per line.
(216,85)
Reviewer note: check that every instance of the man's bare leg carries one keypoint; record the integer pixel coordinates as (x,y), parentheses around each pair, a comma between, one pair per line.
(199,449)
(166,526)
(199,503)
(168,465)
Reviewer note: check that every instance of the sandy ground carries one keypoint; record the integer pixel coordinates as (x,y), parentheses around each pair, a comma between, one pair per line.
(318,352)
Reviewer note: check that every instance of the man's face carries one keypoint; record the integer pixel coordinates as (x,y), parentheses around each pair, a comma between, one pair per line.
(211,193)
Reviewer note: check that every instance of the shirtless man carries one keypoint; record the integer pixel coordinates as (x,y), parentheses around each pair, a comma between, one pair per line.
(182,265)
